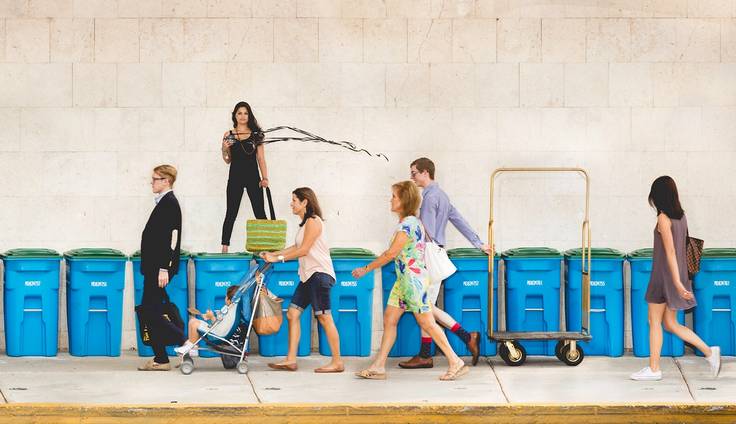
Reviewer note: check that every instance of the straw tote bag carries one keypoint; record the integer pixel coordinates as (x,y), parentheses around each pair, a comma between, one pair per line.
(265,235)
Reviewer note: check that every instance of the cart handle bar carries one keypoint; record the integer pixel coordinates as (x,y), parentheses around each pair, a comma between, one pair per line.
(585,269)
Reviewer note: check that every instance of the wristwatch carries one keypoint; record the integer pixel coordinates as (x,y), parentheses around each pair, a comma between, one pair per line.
(280,257)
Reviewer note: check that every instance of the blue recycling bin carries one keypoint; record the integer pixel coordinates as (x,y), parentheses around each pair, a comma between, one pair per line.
(466,298)
(640,264)
(351,302)
(714,287)
(408,334)
(95,279)
(31,302)
(177,289)
(533,277)
(606,300)
(282,281)
(213,274)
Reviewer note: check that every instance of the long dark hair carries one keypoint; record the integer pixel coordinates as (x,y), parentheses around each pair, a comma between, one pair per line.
(252,121)
(313,209)
(663,197)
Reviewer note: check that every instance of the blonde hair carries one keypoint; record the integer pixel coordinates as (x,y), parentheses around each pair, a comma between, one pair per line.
(409,197)
(166,171)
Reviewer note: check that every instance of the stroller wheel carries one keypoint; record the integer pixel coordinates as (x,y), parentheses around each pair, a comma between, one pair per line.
(187,367)
(242,367)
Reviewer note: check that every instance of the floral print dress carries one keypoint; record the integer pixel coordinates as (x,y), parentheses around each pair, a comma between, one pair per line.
(412,280)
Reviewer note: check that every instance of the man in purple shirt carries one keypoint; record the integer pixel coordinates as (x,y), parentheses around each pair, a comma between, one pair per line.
(435,212)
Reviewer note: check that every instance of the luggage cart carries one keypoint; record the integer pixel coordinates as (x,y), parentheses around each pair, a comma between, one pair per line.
(567,350)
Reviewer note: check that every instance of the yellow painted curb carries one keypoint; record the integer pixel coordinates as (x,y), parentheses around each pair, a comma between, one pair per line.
(370,413)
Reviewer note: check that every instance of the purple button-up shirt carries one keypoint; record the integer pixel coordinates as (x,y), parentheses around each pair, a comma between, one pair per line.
(436,210)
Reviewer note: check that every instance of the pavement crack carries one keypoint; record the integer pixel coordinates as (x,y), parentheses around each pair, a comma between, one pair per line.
(687,383)
(498,380)
(5,400)
(253,387)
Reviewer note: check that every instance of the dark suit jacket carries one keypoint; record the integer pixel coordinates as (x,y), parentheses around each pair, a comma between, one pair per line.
(156,252)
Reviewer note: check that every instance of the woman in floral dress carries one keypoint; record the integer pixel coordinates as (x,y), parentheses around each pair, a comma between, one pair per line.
(409,293)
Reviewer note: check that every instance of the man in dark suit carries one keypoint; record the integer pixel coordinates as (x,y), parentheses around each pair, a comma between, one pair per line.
(160,249)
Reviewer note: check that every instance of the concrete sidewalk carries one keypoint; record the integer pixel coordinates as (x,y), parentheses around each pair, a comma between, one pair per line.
(542,380)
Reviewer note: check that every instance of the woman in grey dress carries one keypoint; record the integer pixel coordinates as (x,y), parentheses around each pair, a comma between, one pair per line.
(670,289)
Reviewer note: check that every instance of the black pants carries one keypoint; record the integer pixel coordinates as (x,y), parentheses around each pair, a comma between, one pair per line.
(154,295)
(235,188)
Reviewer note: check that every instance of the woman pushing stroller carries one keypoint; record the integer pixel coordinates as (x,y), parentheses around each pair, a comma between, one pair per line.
(317,278)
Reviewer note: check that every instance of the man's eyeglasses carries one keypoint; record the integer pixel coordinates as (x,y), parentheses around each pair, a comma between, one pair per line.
(414,173)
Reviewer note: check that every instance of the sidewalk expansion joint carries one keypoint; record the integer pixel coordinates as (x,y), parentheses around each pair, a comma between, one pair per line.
(687,383)
(498,380)
(253,387)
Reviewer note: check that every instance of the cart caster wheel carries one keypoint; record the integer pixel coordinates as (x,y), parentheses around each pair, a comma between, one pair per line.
(242,367)
(520,358)
(558,349)
(187,367)
(571,358)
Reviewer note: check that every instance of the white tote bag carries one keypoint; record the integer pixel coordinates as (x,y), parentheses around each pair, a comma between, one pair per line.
(439,266)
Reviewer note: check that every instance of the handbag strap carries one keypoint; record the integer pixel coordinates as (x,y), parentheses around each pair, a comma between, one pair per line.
(166,296)
(270,203)
(426,233)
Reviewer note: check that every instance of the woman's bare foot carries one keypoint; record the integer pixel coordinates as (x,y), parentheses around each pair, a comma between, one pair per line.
(331,367)
(224,248)
(455,371)
(284,366)
(372,373)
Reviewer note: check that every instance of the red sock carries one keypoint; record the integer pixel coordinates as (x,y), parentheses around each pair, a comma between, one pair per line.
(426,340)
(455,327)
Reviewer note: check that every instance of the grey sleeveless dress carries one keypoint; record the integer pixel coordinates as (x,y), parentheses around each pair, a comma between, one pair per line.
(661,288)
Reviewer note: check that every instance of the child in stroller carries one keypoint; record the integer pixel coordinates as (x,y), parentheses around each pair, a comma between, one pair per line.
(224,334)
(197,326)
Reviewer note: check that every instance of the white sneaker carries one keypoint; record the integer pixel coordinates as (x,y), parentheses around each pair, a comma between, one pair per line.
(187,347)
(646,374)
(714,360)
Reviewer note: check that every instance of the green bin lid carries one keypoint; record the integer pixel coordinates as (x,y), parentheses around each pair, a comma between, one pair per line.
(214,255)
(30,253)
(467,252)
(351,253)
(183,253)
(719,252)
(532,252)
(644,253)
(95,253)
(596,253)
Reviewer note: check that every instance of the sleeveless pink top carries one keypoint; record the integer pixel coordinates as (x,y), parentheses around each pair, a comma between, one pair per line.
(318,258)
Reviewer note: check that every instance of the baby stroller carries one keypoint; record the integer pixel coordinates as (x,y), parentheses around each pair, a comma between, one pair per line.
(231,320)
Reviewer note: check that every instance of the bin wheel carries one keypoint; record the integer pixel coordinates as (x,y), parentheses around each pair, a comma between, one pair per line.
(503,350)
(558,349)
(571,358)
(187,367)
(242,367)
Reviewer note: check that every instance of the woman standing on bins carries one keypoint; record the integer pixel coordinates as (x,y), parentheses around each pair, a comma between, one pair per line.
(317,277)
(409,293)
(670,289)
(240,149)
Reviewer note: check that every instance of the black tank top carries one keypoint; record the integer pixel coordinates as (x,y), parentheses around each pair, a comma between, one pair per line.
(243,162)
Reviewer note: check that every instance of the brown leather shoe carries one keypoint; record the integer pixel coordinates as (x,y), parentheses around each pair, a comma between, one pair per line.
(417,362)
(150,365)
(473,346)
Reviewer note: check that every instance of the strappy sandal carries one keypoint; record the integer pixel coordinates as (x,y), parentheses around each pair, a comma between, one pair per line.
(454,374)
(371,375)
